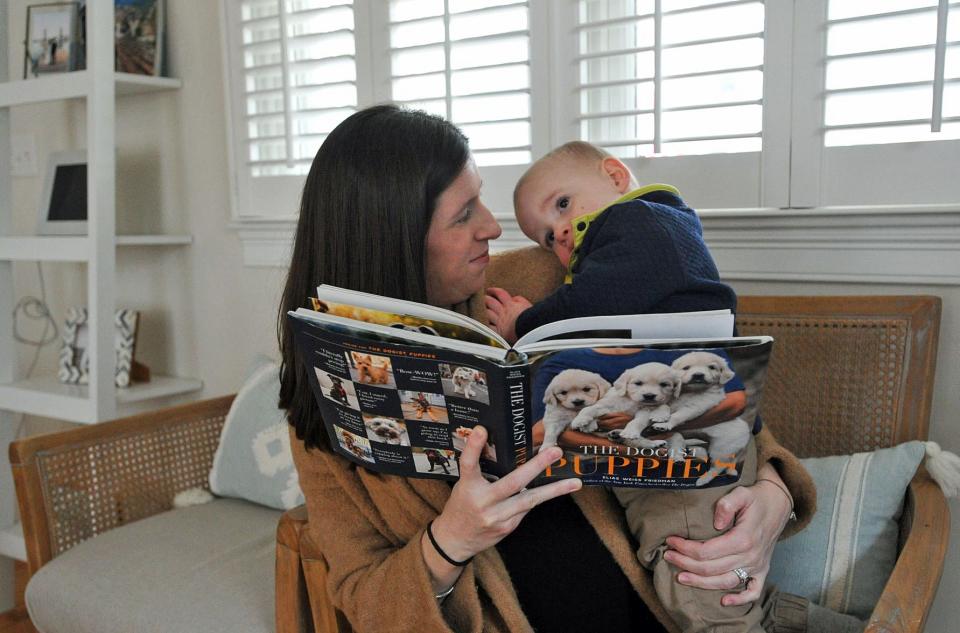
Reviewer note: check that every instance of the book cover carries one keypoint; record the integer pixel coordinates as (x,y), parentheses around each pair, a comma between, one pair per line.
(669,413)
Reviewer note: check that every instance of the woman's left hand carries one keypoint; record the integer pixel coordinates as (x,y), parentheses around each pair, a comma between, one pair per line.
(758,514)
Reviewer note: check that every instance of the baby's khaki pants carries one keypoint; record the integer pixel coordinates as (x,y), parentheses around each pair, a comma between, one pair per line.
(653,514)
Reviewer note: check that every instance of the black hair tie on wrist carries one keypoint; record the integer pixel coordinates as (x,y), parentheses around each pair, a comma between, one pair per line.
(442,553)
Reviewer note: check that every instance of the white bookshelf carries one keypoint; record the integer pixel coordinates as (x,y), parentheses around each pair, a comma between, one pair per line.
(77,85)
(74,249)
(100,88)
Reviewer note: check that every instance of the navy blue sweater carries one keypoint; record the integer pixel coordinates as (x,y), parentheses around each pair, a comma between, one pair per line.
(639,256)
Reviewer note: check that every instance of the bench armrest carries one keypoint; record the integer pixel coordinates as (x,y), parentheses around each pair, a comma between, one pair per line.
(78,483)
(910,590)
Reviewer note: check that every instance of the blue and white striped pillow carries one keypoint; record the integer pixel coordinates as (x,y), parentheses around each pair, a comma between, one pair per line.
(843,558)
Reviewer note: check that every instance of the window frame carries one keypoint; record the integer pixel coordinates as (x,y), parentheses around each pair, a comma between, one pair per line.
(783,233)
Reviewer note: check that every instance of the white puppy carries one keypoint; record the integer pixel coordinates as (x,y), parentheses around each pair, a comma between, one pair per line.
(570,391)
(388,430)
(643,392)
(463,380)
(702,376)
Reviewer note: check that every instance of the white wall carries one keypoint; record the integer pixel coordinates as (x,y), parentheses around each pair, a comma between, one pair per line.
(203,313)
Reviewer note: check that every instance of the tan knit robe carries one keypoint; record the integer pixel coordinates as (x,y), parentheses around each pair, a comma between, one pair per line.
(369,526)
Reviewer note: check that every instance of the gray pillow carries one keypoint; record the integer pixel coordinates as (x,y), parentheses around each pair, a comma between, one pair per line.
(843,559)
(253,460)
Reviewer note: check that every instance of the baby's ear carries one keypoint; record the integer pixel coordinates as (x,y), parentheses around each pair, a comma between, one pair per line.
(619,174)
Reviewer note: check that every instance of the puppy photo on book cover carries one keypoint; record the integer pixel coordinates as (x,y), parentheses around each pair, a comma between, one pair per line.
(661,417)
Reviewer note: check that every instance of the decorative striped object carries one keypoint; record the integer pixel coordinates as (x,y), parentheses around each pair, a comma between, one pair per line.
(75,361)
(844,557)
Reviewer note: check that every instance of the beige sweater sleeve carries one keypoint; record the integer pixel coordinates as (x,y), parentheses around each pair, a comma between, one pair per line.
(377,578)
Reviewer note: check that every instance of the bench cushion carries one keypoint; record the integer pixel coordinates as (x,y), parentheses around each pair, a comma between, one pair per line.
(206,568)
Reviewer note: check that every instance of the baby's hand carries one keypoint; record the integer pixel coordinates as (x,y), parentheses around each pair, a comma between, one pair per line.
(503,310)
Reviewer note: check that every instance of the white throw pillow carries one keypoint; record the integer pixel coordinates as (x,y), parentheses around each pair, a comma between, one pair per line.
(253,460)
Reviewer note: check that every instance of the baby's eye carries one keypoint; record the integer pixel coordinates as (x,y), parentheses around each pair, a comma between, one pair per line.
(563,202)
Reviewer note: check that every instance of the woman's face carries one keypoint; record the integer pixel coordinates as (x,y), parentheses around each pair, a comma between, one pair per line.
(457,253)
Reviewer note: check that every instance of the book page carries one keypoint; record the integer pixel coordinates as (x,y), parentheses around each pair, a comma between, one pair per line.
(400,321)
(374,331)
(706,324)
(410,309)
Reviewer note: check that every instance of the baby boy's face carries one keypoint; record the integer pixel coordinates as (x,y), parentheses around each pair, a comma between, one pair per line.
(561,190)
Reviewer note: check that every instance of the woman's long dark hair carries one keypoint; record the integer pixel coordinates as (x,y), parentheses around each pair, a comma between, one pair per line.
(364,214)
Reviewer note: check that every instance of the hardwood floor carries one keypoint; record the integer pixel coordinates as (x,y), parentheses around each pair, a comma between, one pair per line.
(16,620)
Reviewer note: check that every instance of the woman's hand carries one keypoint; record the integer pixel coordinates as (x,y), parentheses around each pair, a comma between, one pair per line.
(759,513)
(480,513)
(503,310)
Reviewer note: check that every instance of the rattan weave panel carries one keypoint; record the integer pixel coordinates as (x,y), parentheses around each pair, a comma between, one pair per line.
(91,488)
(812,402)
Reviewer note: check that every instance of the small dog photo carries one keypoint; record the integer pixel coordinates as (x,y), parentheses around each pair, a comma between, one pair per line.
(338,389)
(464,382)
(420,405)
(370,369)
(359,446)
(460,435)
(439,461)
(387,430)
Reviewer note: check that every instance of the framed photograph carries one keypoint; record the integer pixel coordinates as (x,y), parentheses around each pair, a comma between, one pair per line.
(74,358)
(63,203)
(51,39)
(138,29)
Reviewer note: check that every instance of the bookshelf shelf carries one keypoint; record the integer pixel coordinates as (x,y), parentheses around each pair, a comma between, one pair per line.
(47,396)
(76,85)
(74,249)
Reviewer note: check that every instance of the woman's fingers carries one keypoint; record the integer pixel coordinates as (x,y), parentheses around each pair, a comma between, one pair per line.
(729,506)
(709,568)
(526,500)
(733,543)
(470,457)
(750,594)
(517,480)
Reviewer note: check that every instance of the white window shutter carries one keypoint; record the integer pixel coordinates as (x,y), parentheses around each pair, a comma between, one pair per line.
(468,61)
(300,79)
(670,77)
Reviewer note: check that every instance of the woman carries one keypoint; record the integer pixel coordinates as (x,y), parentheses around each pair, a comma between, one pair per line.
(391,206)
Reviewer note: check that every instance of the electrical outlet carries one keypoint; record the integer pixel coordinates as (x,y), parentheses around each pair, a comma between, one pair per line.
(23,161)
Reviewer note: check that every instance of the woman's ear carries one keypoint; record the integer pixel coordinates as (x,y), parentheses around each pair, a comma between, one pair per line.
(620,175)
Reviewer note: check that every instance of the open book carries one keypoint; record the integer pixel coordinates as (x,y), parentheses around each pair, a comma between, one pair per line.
(652,400)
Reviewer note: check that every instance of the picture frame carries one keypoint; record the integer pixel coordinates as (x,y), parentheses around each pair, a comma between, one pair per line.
(63,203)
(50,42)
(139,36)
(74,367)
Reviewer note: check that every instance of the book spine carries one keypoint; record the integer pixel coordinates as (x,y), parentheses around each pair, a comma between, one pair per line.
(519,409)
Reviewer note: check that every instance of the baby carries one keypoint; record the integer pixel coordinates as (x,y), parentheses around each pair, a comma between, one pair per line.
(628,250)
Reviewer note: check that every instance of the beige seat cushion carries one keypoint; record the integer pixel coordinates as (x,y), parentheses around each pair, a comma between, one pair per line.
(206,568)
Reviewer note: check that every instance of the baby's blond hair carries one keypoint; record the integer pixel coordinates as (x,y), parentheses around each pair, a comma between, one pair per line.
(577,151)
